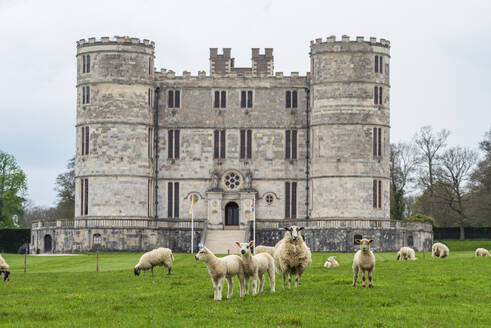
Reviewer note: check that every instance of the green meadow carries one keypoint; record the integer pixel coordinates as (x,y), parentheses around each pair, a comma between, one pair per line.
(67,292)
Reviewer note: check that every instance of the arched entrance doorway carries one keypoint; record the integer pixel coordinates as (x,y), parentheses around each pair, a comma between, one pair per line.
(232,214)
(47,243)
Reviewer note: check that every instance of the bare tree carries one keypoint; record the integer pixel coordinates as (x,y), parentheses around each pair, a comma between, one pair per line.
(429,145)
(454,173)
(403,164)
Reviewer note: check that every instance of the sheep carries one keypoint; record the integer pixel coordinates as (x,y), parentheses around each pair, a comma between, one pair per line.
(256,266)
(160,256)
(291,255)
(482,252)
(406,253)
(331,262)
(264,249)
(364,260)
(439,250)
(220,269)
(4,269)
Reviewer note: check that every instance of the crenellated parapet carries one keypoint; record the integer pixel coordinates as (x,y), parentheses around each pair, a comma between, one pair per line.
(346,44)
(125,40)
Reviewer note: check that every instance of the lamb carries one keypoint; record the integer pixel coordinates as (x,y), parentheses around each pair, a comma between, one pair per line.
(331,262)
(264,249)
(406,253)
(439,250)
(256,266)
(4,269)
(157,257)
(220,269)
(364,260)
(482,252)
(291,255)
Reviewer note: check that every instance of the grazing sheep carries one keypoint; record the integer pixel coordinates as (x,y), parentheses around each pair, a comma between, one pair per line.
(439,250)
(264,249)
(331,262)
(4,269)
(482,252)
(364,260)
(221,268)
(291,255)
(256,266)
(406,253)
(160,256)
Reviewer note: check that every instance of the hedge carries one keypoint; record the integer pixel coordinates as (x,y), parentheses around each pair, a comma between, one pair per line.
(12,239)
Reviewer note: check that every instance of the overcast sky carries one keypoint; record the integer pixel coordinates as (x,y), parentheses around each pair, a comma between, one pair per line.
(440,65)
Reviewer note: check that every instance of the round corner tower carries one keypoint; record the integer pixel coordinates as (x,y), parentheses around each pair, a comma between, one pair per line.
(350,122)
(113,170)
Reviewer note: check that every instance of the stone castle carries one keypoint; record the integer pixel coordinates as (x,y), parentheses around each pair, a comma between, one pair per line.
(237,145)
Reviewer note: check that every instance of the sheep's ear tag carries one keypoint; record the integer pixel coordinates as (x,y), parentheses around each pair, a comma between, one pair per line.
(370,241)
(237,243)
(251,243)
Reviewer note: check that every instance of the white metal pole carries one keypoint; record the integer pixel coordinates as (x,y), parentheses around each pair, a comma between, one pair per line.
(192,230)
(254,229)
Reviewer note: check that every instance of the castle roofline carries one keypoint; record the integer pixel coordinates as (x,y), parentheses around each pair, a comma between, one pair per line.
(126,40)
(345,38)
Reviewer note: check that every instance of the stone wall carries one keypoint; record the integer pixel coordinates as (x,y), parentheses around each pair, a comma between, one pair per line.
(339,235)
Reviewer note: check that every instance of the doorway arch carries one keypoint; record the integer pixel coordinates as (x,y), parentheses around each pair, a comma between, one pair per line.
(232,214)
(48,243)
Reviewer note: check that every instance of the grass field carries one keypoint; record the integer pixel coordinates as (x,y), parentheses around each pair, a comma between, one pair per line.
(67,292)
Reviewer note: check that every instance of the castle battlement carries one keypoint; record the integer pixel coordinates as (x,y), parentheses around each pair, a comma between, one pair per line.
(345,38)
(126,40)
(186,75)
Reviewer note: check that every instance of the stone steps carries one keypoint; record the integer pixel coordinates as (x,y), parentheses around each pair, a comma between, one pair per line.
(223,241)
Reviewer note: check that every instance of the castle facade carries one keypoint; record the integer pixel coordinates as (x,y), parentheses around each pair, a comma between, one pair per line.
(155,149)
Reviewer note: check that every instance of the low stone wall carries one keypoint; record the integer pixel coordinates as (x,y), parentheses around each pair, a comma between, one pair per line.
(339,235)
(68,237)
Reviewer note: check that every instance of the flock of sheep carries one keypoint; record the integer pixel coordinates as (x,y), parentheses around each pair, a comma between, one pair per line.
(290,257)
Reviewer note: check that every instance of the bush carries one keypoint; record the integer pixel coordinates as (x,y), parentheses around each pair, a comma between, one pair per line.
(12,239)
(422,218)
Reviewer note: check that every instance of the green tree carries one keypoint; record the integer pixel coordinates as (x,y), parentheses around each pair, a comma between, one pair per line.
(65,190)
(13,188)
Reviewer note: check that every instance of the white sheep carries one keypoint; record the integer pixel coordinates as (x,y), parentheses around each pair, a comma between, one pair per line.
(157,257)
(331,262)
(439,250)
(264,249)
(291,255)
(221,268)
(364,260)
(482,252)
(4,269)
(256,266)
(406,253)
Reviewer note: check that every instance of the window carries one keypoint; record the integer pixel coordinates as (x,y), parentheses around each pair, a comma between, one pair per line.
(290,200)
(86,64)
(174,99)
(246,99)
(377,95)
(150,197)
(220,99)
(150,97)
(377,142)
(377,194)
(173,199)
(85,140)
(410,240)
(85,95)
(291,144)
(291,99)
(150,143)
(232,181)
(245,144)
(378,64)
(97,239)
(84,197)
(219,144)
(357,237)
(150,64)
(269,199)
(173,144)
